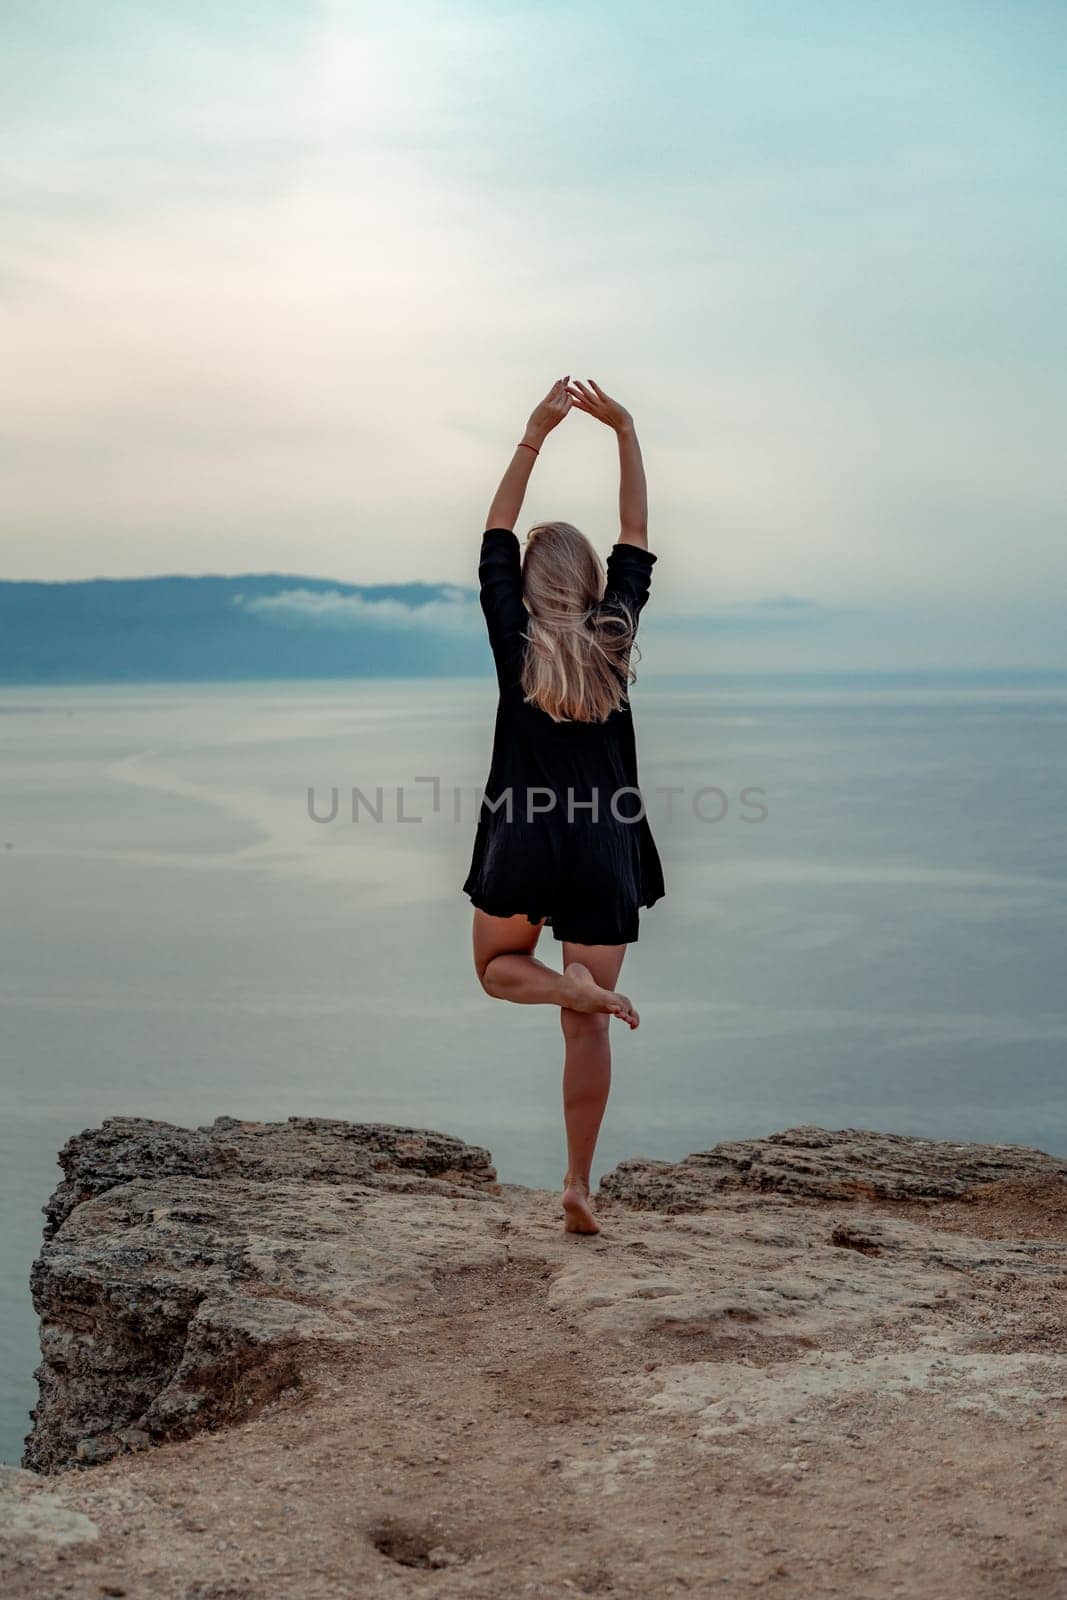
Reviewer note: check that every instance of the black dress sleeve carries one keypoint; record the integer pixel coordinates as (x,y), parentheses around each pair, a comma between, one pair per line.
(629,574)
(500,592)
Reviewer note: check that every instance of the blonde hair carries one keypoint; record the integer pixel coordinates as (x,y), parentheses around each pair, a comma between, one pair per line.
(576,666)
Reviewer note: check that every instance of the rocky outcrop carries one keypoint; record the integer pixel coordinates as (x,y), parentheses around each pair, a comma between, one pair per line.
(318,1359)
(183,1266)
(303,1149)
(814,1163)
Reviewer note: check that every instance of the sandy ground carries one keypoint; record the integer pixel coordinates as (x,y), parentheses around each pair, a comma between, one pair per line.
(705,1405)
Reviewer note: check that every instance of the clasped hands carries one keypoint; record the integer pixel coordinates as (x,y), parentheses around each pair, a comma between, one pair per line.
(567,392)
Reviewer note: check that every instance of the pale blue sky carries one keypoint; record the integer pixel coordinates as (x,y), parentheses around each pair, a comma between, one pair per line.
(281,283)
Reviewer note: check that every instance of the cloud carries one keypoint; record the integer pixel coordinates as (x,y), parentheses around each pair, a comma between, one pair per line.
(455,612)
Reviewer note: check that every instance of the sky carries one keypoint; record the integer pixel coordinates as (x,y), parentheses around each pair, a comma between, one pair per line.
(281,284)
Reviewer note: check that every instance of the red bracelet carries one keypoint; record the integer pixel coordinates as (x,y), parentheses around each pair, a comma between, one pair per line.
(532,447)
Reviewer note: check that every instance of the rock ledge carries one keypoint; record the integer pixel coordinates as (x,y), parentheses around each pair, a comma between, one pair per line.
(319,1359)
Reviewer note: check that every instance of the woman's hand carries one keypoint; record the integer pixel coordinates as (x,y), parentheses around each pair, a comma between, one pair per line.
(590,397)
(549,414)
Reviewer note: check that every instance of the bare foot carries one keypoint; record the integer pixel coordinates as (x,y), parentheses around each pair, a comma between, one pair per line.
(583,993)
(579,1218)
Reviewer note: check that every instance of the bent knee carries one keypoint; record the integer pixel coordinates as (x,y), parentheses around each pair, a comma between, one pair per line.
(482,968)
(583,1024)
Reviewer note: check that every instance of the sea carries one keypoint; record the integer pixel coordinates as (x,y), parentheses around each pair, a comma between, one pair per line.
(244,900)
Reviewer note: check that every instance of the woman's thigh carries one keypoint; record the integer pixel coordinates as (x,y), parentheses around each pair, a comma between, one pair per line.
(603,960)
(502,936)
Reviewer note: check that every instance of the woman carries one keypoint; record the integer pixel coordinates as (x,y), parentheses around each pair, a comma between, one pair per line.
(562,837)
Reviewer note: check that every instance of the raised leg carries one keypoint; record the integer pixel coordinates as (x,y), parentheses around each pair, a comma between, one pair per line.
(508,970)
(505,963)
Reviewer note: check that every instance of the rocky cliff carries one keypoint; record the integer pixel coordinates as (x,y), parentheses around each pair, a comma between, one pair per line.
(302,1359)
(184,1268)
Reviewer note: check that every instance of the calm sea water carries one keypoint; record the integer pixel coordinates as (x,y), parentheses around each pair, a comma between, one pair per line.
(884,948)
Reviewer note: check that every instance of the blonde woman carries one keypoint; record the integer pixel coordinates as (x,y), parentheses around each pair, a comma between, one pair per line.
(562,837)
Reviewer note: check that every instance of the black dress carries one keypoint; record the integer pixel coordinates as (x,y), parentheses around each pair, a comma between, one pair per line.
(562,834)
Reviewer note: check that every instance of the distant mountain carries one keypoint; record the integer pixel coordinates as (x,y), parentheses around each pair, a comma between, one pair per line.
(260,625)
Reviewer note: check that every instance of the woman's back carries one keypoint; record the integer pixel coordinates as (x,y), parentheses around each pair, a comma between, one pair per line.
(500,576)
(562,828)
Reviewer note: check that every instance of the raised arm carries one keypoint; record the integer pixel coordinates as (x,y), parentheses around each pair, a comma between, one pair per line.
(507,502)
(633,491)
